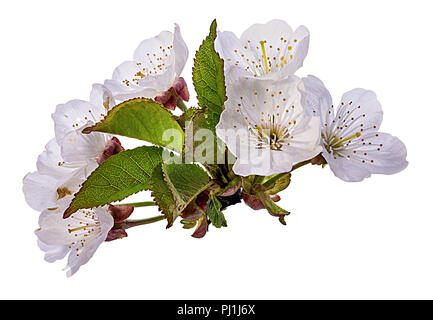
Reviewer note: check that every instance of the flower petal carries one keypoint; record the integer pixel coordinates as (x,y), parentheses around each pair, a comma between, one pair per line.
(380,153)
(81,233)
(79,147)
(73,115)
(53,253)
(358,112)
(40,191)
(270,50)
(180,51)
(125,82)
(317,99)
(101,99)
(79,257)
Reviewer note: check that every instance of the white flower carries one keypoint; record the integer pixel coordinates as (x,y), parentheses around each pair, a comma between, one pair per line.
(54,180)
(155,68)
(79,235)
(352,145)
(76,114)
(50,190)
(64,165)
(266,51)
(70,158)
(264,125)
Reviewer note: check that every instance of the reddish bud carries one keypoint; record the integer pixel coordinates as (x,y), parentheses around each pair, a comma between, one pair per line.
(181,89)
(275,198)
(115,234)
(120,213)
(201,230)
(111,148)
(168,100)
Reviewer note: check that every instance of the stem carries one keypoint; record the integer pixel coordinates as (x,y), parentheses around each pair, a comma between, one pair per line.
(271,181)
(300,164)
(138,204)
(274,179)
(179,101)
(134,223)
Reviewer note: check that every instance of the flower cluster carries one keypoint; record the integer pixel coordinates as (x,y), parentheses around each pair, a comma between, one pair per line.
(255,123)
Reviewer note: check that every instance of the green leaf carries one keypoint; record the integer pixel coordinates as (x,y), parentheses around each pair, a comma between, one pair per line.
(163,195)
(142,119)
(174,186)
(208,79)
(186,181)
(273,209)
(214,213)
(122,175)
(280,184)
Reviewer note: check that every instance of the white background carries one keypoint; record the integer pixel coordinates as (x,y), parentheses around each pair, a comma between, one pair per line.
(361,240)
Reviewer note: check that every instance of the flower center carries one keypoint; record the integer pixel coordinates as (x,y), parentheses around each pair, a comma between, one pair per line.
(336,144)
(271,135)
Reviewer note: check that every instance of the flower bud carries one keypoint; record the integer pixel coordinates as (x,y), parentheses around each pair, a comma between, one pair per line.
(120,213)
(168,99)
(115,234)
(112,147)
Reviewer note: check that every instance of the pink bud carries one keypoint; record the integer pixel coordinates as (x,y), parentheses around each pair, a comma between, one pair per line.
(120,213)
(201,230)
(181,89)
(168,100)
(111,148)
(202,200)
(275,198)
(115,234)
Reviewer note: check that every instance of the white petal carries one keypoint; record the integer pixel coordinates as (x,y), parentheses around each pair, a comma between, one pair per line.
(79,257)
(275,42)
(125,82)
(180,51)
(79,147)
(51,163)
(380,153)
(306,140)
(72,115)
(346,169)
(359,111)
(53,253)
(237,61)
(81,233)
(156,47)
(101,99)
(40,191)
(156,60)
(317,99)
(281,42)
(387,152)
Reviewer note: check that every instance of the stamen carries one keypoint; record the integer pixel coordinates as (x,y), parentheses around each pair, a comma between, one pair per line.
(262,44)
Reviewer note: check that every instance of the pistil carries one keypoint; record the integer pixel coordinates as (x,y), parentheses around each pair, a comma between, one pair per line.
(262,44)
